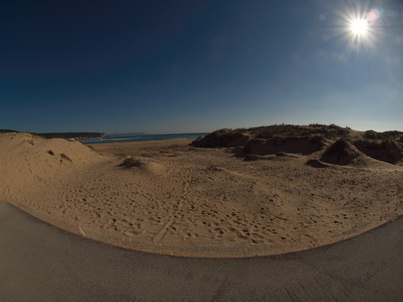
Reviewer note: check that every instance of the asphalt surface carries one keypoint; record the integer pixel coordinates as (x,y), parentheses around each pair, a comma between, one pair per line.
(39,262)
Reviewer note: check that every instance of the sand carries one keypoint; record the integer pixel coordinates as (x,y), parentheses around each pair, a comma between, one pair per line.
(41,263)
(180,200)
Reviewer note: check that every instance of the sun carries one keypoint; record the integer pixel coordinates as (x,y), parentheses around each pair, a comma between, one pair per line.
(359,27)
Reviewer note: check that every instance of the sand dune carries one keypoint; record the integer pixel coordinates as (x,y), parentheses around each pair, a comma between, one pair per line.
(169,197)
(29,160)
(344,153)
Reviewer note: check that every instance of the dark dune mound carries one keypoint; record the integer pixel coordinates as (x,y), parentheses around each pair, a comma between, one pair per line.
(240,137)
(265,141)
(276,145)
(343,153)
(387,151)
(222,138)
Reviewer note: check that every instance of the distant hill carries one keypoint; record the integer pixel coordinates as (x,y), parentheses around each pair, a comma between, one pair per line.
(73,135)
(65,135)
(7,131)
(126,134)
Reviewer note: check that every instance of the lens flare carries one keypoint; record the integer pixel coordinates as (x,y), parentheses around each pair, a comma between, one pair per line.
(373,15)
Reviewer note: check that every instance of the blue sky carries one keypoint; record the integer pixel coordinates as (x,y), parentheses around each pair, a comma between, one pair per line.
(196,66)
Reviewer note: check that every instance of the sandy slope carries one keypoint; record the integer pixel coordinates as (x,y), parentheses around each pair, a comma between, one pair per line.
(28,160)
(188,201)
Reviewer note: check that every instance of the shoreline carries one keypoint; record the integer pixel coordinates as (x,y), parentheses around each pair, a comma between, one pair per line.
(143,138)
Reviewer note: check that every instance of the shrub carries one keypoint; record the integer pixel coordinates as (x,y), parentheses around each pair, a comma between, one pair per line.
(130,162)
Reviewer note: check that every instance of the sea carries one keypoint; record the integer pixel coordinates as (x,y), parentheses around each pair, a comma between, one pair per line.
(116,138)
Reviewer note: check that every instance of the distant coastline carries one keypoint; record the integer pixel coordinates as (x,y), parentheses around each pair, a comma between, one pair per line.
(116,138)
(74,135)
(65,135)
(102,138)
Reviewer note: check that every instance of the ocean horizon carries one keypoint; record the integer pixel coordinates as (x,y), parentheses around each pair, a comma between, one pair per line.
(116,138)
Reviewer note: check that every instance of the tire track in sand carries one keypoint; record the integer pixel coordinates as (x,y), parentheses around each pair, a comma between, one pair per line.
(161,233)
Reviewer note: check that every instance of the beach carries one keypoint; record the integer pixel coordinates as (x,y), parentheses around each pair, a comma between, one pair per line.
(43,263)
(172,198)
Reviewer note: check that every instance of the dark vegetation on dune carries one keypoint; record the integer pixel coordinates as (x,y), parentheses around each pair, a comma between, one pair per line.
(65,135)
(130,163)
(341,145)
(8,131)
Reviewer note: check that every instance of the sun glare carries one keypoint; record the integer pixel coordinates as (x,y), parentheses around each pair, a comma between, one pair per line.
(359,26)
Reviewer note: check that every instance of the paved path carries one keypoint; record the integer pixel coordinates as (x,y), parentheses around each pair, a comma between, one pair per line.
(39,262)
